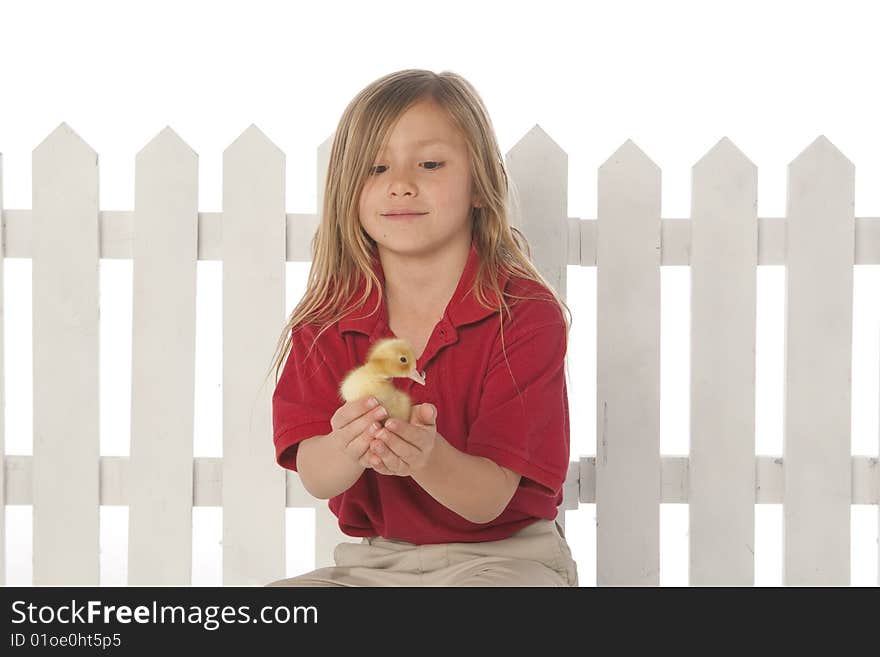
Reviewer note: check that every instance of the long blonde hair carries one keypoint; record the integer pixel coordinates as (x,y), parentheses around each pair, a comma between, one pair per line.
(342,252)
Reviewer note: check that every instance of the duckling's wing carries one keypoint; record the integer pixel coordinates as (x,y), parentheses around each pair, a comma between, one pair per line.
(357,384)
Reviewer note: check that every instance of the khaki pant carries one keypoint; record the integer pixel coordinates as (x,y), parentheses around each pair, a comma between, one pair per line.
(537,555)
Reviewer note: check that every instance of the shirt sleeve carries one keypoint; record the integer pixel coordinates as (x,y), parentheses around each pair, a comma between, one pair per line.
(522,422)
(304,400)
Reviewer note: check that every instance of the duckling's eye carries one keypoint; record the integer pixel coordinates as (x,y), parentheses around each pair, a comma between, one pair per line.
(403,359)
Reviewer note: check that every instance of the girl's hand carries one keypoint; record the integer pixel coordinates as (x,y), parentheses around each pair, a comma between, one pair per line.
(404,448)
(351,428)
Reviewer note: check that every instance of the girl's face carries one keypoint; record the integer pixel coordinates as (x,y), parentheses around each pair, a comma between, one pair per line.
(423,168)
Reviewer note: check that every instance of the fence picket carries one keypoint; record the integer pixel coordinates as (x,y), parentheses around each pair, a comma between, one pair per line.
(724,265)
(538,169)
(327,532)
(254,487)
(818,370)
(2,394)
(628,370)
(164,254)
(64,224)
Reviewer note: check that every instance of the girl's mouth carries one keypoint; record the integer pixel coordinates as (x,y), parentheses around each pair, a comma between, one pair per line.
(404,216)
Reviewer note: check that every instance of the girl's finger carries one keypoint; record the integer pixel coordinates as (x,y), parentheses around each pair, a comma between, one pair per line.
(383,466)
(394,461)
(389,459)
(395,443)
(366,462)
(362,443)
(360,446)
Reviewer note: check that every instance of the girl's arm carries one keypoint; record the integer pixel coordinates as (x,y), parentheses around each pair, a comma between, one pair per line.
(324,469)
(474,487)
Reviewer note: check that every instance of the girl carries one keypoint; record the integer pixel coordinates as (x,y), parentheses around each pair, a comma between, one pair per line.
(415,242)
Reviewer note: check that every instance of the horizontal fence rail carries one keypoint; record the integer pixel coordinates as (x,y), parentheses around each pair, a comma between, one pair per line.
(580,485)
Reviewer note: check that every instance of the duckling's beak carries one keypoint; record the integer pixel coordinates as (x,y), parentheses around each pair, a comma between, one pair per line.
(415,375)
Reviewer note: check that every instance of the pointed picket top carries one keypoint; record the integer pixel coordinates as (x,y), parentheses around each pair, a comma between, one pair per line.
(323,162)
(537,141)
(722,155)
(821,151)
(538,169)
(323,157)
(725,174)
(65,139)
(327,145)
(252,141)
(325,148)
(166,143)
(629,156)
(822,172)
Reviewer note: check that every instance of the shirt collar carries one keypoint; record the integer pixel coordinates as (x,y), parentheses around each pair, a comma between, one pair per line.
(463,308)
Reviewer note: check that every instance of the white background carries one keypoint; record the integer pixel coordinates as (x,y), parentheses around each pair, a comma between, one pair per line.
(675,77)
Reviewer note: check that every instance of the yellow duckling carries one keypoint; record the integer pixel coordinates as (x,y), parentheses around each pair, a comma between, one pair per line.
(386,359)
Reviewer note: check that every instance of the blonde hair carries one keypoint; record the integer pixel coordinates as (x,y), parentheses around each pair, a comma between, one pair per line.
(343,253)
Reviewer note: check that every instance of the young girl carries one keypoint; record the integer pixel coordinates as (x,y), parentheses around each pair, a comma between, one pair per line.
(415,242)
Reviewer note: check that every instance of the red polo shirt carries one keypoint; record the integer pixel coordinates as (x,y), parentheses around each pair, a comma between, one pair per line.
(514,412)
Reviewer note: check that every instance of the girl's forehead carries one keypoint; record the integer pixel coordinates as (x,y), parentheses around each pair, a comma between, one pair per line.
(420,126)
(404,144)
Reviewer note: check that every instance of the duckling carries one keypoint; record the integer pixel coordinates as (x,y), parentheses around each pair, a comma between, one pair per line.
(388,358)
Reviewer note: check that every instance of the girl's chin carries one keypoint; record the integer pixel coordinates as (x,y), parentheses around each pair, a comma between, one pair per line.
(411,244)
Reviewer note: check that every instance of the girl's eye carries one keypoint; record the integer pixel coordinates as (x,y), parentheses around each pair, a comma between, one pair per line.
(373,170)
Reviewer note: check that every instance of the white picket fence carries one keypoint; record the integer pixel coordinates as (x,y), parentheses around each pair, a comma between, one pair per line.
(66,479)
